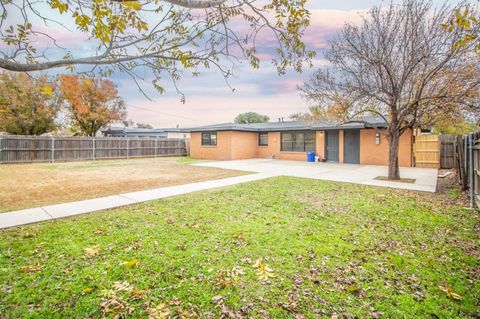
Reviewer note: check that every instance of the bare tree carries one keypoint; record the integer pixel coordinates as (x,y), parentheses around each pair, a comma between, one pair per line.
(165,37)
(398,64)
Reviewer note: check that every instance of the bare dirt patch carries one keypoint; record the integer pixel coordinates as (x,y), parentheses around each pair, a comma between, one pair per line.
(33,185)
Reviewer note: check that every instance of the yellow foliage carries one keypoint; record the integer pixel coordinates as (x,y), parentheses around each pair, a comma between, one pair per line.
(92,251)
(264,272)
(46,90)
(450,293)
(131,263)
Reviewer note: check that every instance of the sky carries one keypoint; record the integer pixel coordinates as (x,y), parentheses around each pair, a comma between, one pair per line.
(210,100)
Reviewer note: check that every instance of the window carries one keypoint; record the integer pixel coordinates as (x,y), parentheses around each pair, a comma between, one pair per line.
(298,142)
(263,139)
(209,138)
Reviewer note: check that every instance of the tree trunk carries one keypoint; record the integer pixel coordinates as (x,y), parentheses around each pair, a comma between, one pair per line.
(393,169)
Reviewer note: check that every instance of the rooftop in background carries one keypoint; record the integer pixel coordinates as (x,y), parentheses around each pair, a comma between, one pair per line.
(364,122)
(142,132)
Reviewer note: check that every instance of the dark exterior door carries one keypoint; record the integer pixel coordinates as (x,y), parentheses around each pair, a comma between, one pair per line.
(351,146)
(331,146)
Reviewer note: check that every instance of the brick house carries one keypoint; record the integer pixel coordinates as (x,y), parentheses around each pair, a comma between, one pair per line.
(355,143)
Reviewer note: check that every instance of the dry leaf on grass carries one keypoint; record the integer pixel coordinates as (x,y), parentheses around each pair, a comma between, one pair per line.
(92,251)
(131,263)
(450,293)
(264,272)
(115,308)
(160,311)
(228,278)
(31,268)
(98,230)
(238,235)
(40,246)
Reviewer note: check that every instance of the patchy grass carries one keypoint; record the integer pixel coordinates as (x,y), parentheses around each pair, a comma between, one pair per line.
(279,248)
(33,185)
(401,180)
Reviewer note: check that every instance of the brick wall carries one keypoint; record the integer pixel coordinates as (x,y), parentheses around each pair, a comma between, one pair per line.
(222,151)
(373,154)
(244,145)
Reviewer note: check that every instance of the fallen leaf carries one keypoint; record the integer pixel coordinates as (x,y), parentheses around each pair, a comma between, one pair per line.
(217,299)
(92,251)
(86,291)
(131,263)
(450,293)
(264,272)
(98,230)
(160,311)
(31,268)
(238,235)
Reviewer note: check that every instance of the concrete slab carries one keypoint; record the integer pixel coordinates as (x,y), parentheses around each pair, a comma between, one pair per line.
(86,206)
(22,217)
(425,178)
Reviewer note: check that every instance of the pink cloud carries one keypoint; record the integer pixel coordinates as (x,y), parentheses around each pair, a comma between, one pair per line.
(202,110)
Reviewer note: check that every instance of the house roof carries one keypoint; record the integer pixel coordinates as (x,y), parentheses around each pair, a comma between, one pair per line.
(363,122)
(142,130)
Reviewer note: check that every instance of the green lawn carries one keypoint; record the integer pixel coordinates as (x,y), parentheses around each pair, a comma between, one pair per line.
(278,248)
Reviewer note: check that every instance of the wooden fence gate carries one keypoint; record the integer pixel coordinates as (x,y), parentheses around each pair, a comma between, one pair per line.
(426,151)
(447,151)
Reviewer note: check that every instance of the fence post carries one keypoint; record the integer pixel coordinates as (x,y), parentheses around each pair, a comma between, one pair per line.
(53,150)
(93,148)
(128,142)
(471,171)
(156,139)
(1,149)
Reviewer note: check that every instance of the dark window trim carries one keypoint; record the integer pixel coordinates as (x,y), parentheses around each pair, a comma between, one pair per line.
(208,141)
(260,139)
(282,148)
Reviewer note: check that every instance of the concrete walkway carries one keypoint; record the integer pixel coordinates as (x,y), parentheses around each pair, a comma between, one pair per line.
(33,215)
(426,180)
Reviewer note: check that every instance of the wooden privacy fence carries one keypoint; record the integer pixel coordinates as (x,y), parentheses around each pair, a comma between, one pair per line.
(26,149)
(434,151)
(447,151)
(468,165)
(426,151)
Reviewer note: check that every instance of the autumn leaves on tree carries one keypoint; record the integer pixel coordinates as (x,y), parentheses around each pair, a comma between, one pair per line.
(27,106)
(92,103)
(33,106)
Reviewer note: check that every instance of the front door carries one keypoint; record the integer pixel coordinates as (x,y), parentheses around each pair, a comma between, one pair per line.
(331,146)
(351,146)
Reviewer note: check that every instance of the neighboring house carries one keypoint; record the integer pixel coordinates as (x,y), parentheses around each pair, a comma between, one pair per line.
(356,143)
(177,133)
(144,132)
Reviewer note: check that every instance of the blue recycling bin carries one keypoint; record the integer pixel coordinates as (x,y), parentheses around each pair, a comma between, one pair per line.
(311,157)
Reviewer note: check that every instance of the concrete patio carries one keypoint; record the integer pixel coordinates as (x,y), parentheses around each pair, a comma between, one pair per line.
(425,178)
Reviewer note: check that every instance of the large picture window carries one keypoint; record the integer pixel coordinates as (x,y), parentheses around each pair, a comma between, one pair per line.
(298,142)
(263,139)
(209,138)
